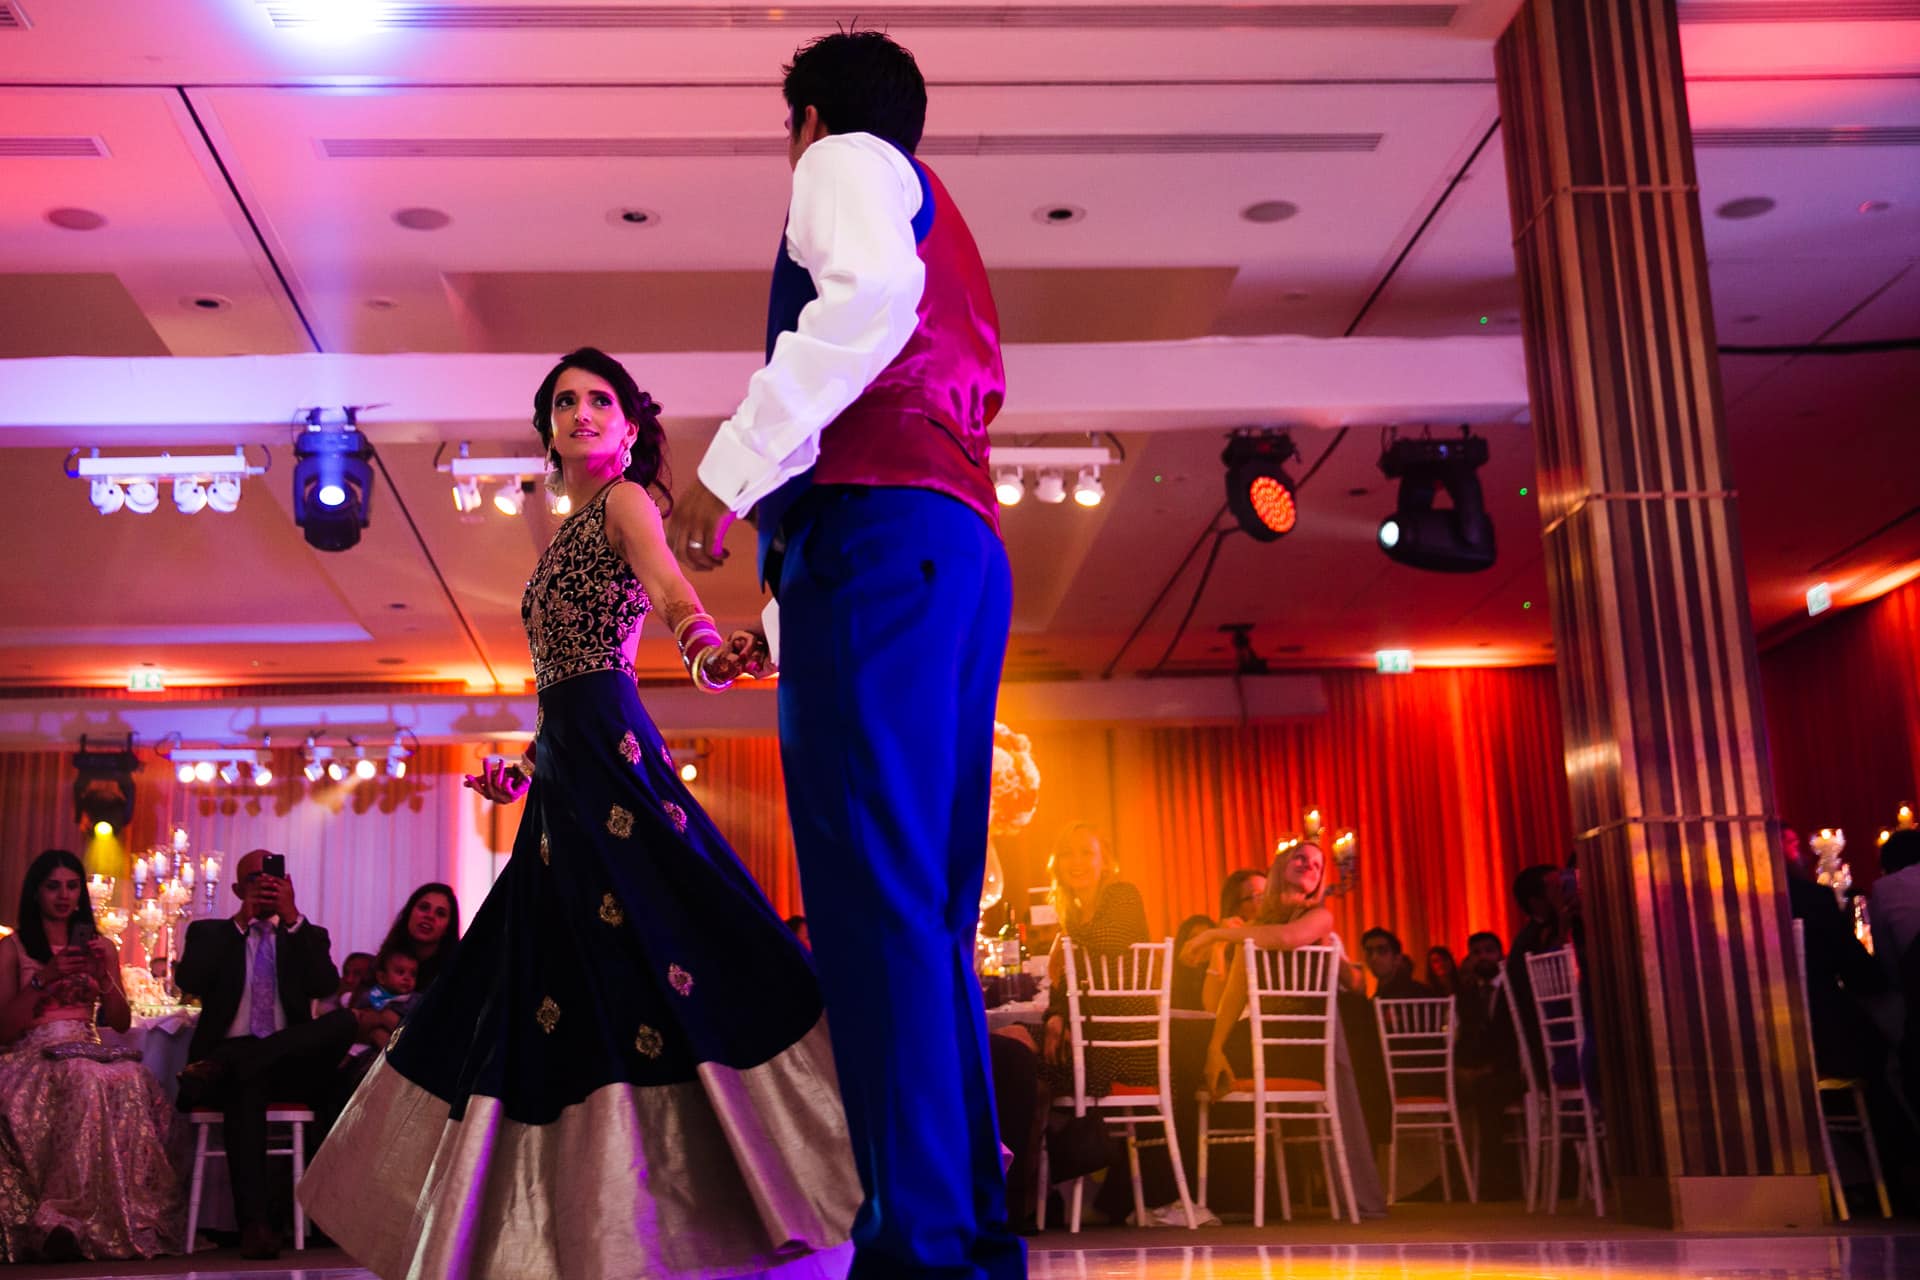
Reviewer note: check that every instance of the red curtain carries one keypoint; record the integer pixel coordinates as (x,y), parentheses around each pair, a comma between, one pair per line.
(1843,721)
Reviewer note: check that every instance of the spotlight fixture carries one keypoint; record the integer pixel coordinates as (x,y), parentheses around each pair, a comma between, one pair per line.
(1087,490)
(198,480)
(1009,485)
(184,773)
(332,479)
(262,775)
(143,497)
(510,499)
(229,773)
(203,771)
(689,773)
(559,504)
(397,761)
(363,768)
(466,496)
(103,789)
(336,771)
(1050,487)
(1260,493)
(314,771)
(1455,539)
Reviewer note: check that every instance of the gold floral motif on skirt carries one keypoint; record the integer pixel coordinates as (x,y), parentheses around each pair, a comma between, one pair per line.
(620,822)
(649,1042)
(546,849)
(548,1015)
(679,979)
(610,911)
(630,748)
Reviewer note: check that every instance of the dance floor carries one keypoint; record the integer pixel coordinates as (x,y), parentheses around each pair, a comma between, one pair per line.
(1509,1249)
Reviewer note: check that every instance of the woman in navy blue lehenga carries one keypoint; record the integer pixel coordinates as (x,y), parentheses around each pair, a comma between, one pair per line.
(625,1071)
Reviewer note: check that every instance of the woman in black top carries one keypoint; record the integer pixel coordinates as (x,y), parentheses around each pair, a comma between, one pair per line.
(1104,915)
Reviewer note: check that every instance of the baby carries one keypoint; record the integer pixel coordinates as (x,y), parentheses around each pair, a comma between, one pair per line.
(394,974)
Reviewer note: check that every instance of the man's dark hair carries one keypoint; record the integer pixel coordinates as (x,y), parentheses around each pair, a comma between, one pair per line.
(1378,932)
(1494,938)
(1532,883)
(1902,850)
(859,82)
(357,955)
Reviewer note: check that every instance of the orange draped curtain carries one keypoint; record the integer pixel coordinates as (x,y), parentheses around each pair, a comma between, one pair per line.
(1843,721)
(1452,780)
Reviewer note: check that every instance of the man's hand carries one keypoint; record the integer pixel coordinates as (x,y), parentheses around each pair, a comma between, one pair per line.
(745,655)
(697,529)
(283,904)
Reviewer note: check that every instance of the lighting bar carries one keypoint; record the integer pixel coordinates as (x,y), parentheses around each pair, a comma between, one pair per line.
(164,466)
(1064,459)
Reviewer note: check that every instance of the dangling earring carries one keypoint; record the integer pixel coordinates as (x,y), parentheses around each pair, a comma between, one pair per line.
(626,458)
(556,484)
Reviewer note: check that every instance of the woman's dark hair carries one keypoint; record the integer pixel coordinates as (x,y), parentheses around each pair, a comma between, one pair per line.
(33,930)
(1453,966)
(1188,927)
(398,939)
(1189,980)
(859,82)
(1235,888)
(649,468)
(1902,850)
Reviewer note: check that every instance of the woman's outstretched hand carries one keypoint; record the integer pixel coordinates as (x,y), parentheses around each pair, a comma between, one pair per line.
(1198,945)
(1218,1073)
(500,781)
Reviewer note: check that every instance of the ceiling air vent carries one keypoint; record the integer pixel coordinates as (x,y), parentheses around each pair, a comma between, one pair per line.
(1772,11)
(1009,144)
(28,147)
(1197,17)
(13,18)
(1890,135)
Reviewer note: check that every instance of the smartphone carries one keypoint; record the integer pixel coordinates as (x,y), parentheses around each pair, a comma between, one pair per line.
(81,931)
(275,865)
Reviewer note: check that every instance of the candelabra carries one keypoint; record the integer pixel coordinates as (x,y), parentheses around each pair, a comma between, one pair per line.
(164,887)
(1831,869)
(1344,868)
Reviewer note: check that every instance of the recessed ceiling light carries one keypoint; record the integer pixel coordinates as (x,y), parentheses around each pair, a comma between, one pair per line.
(421,218)
(1749,318)
(382,304)
(1296,295)
(1874,206)
(1746,207)
(71,219)
(1358,493)
(206,302)
(1270,211)
(1059,215)
(633,216)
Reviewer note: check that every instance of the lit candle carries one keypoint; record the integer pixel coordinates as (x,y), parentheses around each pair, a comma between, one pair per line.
(1905,816)
(179,839)
(160,866)
(139,873)
(186,872)
(99,890)
(1885,835)
(1312,822)
(210,868)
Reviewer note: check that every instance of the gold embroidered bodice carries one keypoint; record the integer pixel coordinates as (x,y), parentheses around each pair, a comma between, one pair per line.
(583,603)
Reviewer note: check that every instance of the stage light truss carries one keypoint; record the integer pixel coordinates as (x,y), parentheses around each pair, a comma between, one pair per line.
(199,481)
(1050,468)
(515,478)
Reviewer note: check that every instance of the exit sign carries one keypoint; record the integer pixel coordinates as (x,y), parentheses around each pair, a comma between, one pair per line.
(147,680)
(1393,662)
(1819,599)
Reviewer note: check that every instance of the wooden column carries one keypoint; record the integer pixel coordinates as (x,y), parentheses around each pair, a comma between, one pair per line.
(1697,1010)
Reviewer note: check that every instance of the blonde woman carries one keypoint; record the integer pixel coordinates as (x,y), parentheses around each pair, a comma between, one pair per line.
(1104,915)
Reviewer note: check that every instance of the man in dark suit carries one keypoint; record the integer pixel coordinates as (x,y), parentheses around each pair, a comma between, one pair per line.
(257,973)
(1486,1063)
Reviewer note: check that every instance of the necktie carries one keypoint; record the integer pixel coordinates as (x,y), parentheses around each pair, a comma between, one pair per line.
(261,993)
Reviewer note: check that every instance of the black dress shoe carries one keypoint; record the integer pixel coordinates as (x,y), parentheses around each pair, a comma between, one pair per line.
(259,1242)
(199,1081)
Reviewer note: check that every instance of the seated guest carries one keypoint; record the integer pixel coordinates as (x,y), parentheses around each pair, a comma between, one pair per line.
(1841,976)
(1391,969)
(1443,972)
(428,928)
(394,976)
(256,974)
(1486,1064)
(84,1171)
(1189,980)
(797,925)
(1239,901)
(1541,892)
(1104,916)
(1894,906)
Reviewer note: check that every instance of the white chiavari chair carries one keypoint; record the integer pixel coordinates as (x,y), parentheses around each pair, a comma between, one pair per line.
(1417,1039)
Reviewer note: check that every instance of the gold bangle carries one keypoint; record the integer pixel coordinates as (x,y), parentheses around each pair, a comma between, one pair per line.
(689,620)
(700,680)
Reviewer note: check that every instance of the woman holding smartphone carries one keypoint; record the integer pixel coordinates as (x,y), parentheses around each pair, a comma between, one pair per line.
(84,1171)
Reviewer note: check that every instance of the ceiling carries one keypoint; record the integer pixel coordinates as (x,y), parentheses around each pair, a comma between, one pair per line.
(249,164)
